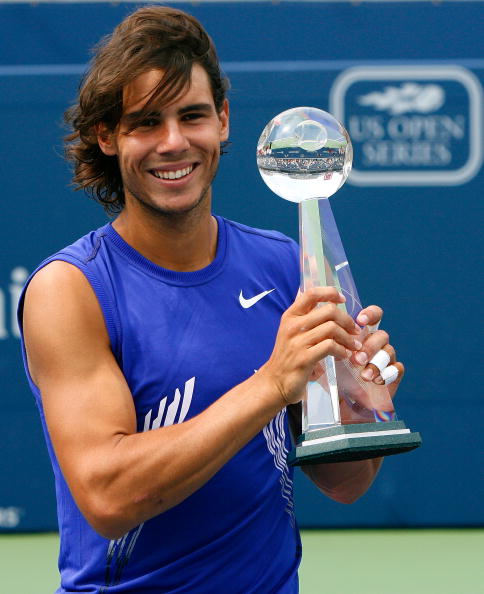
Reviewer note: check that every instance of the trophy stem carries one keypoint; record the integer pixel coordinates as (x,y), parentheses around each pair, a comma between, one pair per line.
(321,407)
(330,367)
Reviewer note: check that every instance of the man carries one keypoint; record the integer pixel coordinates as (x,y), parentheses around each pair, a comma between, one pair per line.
(169,452)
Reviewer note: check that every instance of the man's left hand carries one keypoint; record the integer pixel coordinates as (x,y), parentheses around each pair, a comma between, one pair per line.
(377,356)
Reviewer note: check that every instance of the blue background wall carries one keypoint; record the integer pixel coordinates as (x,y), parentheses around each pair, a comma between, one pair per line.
(414,249)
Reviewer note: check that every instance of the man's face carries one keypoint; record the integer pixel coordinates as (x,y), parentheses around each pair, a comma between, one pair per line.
(169,161)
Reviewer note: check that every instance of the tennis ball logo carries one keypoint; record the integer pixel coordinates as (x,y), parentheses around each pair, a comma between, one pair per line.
(311,135)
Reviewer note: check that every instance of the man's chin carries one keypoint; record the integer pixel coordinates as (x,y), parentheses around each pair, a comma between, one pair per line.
(173,210)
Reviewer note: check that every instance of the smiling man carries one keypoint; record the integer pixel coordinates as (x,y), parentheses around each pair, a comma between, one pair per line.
(168,156)
(141,340)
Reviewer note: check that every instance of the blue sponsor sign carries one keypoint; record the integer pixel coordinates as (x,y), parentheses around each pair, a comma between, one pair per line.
(405,77)
(411,125)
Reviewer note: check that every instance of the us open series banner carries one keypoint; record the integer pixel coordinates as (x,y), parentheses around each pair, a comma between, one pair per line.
(406,79)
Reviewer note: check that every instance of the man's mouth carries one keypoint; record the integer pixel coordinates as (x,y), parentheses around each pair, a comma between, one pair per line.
(172,173)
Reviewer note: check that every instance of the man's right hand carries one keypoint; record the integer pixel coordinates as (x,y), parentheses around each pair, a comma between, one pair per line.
(312,328)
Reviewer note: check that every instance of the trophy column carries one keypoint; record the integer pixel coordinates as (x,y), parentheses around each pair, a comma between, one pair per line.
(320,409)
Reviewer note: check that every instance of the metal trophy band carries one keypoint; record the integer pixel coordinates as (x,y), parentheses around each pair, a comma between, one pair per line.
(304,155)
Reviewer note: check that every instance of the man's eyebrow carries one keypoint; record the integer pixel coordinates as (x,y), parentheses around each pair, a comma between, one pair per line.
(206,107)
(133,116)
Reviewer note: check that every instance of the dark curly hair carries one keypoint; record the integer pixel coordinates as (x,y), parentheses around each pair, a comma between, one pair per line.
(155,37)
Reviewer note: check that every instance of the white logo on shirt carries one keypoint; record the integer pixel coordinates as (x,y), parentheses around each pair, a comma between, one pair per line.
(180,404)
(275,436)
(246,303)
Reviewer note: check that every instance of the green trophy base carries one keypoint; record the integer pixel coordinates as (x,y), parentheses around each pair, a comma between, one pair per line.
(343,443)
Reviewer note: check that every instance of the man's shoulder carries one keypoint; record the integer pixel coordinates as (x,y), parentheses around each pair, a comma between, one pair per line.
(67,277)
(262,233)
(65,267)
(83,249)
(262,247)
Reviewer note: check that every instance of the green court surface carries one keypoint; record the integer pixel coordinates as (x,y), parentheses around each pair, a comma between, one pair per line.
(342,561)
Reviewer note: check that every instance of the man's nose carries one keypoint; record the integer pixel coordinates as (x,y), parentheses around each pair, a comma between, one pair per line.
(172,138)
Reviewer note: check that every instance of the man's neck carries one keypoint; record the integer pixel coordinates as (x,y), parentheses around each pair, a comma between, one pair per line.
(182,243)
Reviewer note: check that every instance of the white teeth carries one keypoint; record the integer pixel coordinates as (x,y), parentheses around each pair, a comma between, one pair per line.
(177,174)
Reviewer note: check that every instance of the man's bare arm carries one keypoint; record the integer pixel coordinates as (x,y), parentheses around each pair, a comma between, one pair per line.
(120,478)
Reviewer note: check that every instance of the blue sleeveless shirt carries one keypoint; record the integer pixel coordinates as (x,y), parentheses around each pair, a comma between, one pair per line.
(183,339)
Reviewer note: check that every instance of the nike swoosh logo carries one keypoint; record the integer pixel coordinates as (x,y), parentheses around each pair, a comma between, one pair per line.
(246,303)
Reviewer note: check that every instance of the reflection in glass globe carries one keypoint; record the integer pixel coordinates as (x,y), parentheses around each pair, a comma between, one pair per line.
(304,153)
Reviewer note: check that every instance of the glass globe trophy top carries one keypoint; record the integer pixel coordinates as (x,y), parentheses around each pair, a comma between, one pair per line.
(304,155)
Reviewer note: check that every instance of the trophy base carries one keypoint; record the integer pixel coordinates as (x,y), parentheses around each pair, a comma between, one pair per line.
(343,443)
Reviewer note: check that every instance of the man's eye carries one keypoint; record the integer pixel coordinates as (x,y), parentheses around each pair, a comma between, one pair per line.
(192,116)
(148,123)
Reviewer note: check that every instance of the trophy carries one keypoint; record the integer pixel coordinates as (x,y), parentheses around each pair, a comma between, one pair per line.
(305,155)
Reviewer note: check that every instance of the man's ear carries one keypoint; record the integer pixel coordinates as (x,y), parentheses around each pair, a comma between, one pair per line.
(106,140)
(224,120)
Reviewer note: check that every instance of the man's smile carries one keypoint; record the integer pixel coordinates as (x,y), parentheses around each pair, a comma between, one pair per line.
(174,173)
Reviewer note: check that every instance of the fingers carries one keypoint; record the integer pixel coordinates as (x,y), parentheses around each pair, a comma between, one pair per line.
(388,375)
(370,316)
(372,344)
(378,362)
(317,306)
(307,301)
(325,313)
(377,356)
(382,358)
(328,346)
(320,323)
(391,374)
(382,368)
(331,330)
